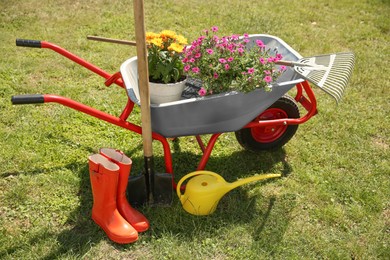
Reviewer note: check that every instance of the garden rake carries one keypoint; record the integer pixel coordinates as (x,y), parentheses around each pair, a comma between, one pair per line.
(329,72)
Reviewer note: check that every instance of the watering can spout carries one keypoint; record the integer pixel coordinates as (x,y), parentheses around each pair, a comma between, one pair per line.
(205,189)
(251,179)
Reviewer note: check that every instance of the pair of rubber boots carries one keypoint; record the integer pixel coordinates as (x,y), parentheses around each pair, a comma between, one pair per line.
(109,172)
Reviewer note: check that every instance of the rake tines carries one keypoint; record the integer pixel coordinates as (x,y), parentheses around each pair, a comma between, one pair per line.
(330,72)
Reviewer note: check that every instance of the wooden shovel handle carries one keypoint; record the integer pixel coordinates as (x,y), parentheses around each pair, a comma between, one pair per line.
(143,77)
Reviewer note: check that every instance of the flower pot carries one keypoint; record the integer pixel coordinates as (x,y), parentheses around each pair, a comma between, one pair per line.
(163,93)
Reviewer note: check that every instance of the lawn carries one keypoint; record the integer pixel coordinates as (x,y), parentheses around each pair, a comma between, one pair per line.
(332,203)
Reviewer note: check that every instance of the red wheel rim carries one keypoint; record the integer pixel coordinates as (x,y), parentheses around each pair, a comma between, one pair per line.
(269,134)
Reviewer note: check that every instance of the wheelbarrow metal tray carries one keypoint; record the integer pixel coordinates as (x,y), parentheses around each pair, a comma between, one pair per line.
(226,112)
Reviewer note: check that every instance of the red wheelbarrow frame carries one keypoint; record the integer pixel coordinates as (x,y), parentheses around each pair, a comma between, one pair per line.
(308,101)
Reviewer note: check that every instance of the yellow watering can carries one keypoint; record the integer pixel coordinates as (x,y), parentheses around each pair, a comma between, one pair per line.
(204,191)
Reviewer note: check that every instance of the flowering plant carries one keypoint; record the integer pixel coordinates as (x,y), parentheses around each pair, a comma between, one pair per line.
(164,61)
(227,63)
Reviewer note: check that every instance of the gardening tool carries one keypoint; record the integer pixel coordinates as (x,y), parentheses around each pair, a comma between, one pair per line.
(264,121)
(158,186)
(329,72)
(204,191)
(103,39)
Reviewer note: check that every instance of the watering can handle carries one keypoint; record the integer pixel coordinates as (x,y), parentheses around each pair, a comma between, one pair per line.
(194,174)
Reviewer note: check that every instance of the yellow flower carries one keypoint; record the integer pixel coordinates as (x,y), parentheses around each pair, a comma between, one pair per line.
(151,35)
(176,47)
(166,34)
(181,40)
(158,42)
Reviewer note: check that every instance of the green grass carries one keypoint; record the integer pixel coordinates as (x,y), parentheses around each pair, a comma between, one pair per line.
(332,204)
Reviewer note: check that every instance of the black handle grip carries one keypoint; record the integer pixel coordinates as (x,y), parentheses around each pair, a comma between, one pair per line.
(28,43)
(27,99)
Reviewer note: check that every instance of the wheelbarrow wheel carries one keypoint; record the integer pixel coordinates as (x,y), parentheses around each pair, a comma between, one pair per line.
(270,137)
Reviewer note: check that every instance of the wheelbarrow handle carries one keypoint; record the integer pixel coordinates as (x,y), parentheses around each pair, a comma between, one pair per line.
(28,43)
(27,99)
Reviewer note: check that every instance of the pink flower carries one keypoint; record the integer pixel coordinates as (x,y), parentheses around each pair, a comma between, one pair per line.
(267,72)
(216,75)
(230,59)
(251,70)
(235,37)
(262,61)
(227,66)
(202,92)
(187,68)
(198,55)
(195,70)
(240,50)
(214,29)
(222,60)
(283,68)
(192,60)
(210,51)
(270,59)
(260,43)
(267,79)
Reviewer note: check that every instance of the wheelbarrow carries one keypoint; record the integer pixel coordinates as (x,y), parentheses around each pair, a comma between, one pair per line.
(261,120)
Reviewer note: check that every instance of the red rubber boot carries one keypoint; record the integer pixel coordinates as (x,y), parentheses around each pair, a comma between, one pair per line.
(133,216)
(104,182)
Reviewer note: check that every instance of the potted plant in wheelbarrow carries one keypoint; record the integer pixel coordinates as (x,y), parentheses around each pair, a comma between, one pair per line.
(166,74)
(225,63)
(239,63)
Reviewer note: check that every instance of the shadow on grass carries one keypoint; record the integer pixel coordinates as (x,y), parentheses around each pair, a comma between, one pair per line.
(268,222)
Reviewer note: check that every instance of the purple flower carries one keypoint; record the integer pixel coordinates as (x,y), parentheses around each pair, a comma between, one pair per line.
(267,79)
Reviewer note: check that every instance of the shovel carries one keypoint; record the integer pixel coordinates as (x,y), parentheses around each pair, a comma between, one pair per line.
(150,187)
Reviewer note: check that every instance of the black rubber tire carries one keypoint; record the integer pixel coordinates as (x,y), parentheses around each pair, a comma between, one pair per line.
(245,136)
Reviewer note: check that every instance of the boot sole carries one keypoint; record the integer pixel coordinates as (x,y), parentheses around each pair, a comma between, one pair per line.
(115,238)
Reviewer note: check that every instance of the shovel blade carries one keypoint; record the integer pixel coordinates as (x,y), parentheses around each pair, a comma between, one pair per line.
(158,193)
(137,194)
(162,189)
